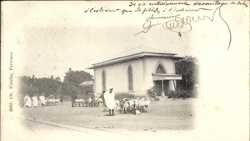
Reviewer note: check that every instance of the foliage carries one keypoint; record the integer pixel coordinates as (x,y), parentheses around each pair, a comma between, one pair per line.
(153,94)
(53,86)
(39,86)
(188,68)
(73,79)
(76,77)
(182,94)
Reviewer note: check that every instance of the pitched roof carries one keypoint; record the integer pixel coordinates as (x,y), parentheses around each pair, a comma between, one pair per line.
(135,53)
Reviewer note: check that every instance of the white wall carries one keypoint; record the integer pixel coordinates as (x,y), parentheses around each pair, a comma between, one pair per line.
(117,75)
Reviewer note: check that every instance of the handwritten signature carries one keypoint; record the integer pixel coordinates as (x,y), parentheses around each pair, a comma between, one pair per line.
(179,24)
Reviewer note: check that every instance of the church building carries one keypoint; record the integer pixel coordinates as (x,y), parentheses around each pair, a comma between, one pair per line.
(136,73)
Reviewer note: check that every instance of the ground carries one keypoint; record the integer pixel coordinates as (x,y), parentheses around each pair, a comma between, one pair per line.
(164,114)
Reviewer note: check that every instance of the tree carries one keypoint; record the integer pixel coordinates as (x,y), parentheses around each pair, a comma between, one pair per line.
(53,85)
(27,85)
(188,68)
(48,86)
(72,80)
(37,86)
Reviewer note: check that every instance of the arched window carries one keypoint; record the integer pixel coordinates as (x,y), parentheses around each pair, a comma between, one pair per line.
(103,80)
(130,78)
(160,69)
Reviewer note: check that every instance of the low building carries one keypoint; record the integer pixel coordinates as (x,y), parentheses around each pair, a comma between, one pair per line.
(136,73)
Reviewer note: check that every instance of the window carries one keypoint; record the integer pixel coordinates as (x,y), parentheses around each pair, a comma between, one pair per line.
(130,78)
(160,69)
(103,80)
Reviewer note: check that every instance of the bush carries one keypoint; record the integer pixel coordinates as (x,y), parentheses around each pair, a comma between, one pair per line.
(181,94)
(152,94)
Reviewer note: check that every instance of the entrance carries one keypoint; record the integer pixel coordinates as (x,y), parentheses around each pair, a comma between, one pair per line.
(161,87)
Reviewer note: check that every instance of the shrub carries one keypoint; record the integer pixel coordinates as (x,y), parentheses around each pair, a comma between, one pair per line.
(181,94)
(152,94)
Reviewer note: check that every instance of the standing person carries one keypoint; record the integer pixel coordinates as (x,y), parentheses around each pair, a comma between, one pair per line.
(73,98)
(42,100)
(34,101)
(90,102)
(27,101)
(101,99)
(109,98)
(112,95)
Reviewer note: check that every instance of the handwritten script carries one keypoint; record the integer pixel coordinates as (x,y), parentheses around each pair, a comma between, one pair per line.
(174,16)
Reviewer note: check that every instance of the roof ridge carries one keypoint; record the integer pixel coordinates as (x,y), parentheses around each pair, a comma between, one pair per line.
(133,56)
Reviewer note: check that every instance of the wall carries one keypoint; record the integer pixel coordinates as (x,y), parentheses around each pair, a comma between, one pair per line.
(117,76)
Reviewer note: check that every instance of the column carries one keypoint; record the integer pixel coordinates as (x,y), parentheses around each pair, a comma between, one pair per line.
(172,85)
(162,88)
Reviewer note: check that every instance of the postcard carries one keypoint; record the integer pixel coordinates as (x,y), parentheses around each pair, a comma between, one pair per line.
(125,70)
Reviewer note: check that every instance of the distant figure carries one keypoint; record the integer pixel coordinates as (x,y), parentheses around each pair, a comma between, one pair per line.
(57,100)
(95,101)
(102,97)
(90,102)
(42,100)
(79,102)
(34,101)
(73,98)
(61,99)
(27,101)
(99,101)
(109,97)
(144,104)
(117,105)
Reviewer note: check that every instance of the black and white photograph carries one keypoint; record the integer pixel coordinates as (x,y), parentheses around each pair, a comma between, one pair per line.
(125,70)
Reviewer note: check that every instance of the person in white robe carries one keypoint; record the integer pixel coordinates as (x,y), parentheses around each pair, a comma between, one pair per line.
(109,98)
(42,100)
(34,101)
(27,101)
(90,101)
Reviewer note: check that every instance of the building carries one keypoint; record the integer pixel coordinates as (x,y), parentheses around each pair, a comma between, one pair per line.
(136,73)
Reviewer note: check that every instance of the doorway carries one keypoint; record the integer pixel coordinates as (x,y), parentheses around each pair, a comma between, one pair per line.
(161,87)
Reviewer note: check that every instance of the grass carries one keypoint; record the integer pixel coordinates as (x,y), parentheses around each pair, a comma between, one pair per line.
(164,114)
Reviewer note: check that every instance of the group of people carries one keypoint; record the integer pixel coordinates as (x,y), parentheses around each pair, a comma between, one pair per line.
(125,105)
(133,105)
(36,101)
(90,102)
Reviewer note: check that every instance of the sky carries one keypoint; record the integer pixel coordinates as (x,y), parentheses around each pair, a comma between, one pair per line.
(50,39)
